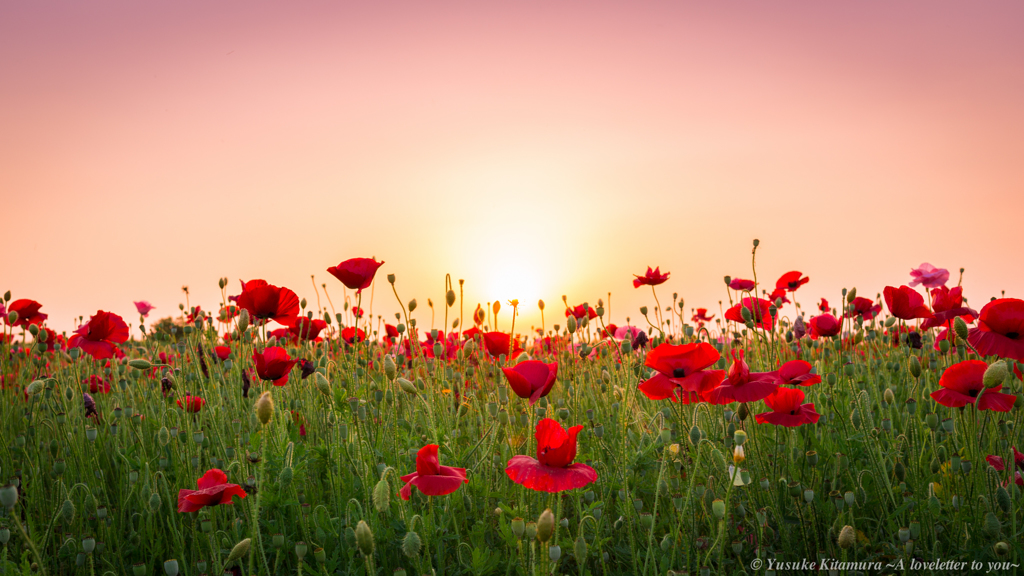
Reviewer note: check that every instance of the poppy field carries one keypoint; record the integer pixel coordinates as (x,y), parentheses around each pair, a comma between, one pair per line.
(274,434)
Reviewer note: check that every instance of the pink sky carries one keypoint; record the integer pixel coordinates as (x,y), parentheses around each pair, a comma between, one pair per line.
(534,149)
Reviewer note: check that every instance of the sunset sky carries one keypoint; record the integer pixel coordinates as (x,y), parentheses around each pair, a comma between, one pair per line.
(534,149)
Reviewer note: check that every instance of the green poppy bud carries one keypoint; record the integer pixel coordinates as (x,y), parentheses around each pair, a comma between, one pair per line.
(238,551)
(545,525)
(995,374)
(364,538)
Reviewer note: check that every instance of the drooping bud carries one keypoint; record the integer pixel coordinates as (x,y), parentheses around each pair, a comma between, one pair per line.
(545,525)
(411,544)
(382,496)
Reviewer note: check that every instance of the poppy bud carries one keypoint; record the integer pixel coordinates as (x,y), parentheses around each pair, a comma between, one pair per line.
(364,538)
(412,305)
(12,317)
(756,242)
(718,507)
(545,525)
(265,408)
(915,367)
(238,551)
(140,364)
(570,324)
(7,296)
(35,387)
(449,298)
(847,537)
(382,496)
(992,524)
(243,321)
(994,374)
(960,327)
(643,310)
(406,386)
(322,384)
(888,396)
(411,544)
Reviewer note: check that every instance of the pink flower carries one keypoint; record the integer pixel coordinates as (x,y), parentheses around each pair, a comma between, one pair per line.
(929,275)
(143,307)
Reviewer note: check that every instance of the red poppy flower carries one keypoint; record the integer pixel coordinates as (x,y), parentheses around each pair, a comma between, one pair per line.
(356,273)
(742,385)
(741,284)
(471,333)
(778,293)
(787,409)
(391,331)
(430,477)
(863,307)
(651,278)
(268,302)
(191,403)
(479,315)
(282,335)
(702,315)
(497,343)
(531,379)
(307,328)
(681,368)
(796,373)
(28,312)
(823,305)
(1018,460)
(961,384)
(191,316)
(357,311)
(98,385)
(1000,330)
(213,490)
(100,335)
(905,303)
(353,335)
(607,332)
(579,312)
(273,364)
(791,281)
(823,325)
(946,305)
(223,352)
(553,470)
(758,308)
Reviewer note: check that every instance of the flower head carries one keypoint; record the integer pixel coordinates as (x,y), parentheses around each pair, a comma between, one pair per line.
(651,278)
(791,281)
(961,384)
(863,307)
(824,325)
(787,409)
(702,316)
(191,403)
(553,470)
(356,273)
(268,302)
(758,310)
(213,490)
(531,379)
(929,275)
(742,385)
(905,303)
(741,284)
(28,312)
(100,335)
(307,328)
(273,364)
(1000,330)
(143,307)
(681,372)
(430,477)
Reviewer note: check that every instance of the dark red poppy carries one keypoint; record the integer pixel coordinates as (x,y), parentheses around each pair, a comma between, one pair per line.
(282,335)
(823,325)
(430,477)
(863,307)
(790,281)
(356,273)
(268,302)
(823,305)
(741,284)
(947,305)
(1018,460)
(796,373)
(28,312)
(961,384)
(100,335)
(307,328)
(497,343)
(213,490)
(553,470)
(787,409)
(742,385)
(391,331)
(581,311)
(651,278)
(531,379)
(357,312)
(778,294)
(758,308)
(222,352)
(191,403)
(98,385)
(1000,330)
(681,372)
(905,303)
(353,335)
(273,364)
(702,316)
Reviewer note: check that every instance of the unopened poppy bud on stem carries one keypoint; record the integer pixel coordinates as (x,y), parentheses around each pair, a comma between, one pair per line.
(265,408)
(847,537)
(412,305)
(364,538)
(995,374)
(960,327)
(239,551)
(243,321)
(140,364)
(449,298)
(545,525)
(540,304)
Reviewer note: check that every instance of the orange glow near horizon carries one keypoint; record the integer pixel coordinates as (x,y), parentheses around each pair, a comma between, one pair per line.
(533,150)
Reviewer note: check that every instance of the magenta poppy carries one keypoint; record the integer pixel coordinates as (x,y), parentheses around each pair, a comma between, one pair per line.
(961,384)
(222,352)
(307,328)
(787,409)
(430,477)
(191,403)
(863,307)
(702,316)
(100,335)
(1018,460)
(353,335)
(791,281)
(1000,330)
(929,275)
(213,490)
(796,373)
(553,470)
(273,364)
(681,368)
(268,302)
(823,325)
(356,273)
(741,284)
(531,379)
(28,312)
(651,278)
(905,303)
(143,307)
(742,385)
(758,308)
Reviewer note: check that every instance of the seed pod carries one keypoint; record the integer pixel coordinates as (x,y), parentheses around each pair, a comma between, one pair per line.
(718,508)
(9,496)
(171,567)
(364,538)
(545,525)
